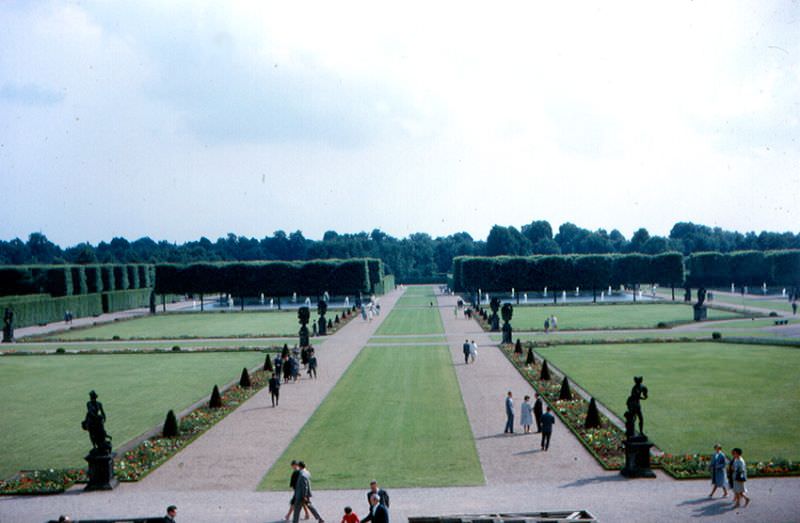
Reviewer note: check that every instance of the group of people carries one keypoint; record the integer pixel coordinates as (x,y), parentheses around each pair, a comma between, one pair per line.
(528,414)
(370,310)
(550,323)
(470,349)
(733,473)
(300,483)
(288,365)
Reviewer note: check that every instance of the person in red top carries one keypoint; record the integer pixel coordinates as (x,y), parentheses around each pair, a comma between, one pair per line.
(349,516)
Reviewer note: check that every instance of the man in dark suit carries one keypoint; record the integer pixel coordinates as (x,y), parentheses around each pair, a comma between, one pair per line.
(466,348)
(275,389)
(378,513)
(302,495)
(172,511)
(547,428)
(382,494)
(509,415)
(537,412)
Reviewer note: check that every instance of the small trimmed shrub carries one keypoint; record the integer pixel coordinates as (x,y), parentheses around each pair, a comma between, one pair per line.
(566,392)
(518,347)
(61,350)
(170,429)
(115,337)
(244,381)
(716,335)
(545,374)
(773,314)
(216,400)
(592,416)
(176,348)
(662,325)
(267,363)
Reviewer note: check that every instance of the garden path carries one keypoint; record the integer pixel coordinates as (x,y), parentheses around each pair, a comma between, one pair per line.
(484,384)
(238,451)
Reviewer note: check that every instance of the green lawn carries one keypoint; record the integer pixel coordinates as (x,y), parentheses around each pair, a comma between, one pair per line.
(396,414)
(412,321)
(611,335)
(700,393)
(773,303)
(434,338)
(571,317)
(746,324)
(193,325)
(150,344)
(45,399)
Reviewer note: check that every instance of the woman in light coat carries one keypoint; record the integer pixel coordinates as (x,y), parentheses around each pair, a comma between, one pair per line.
(526,417)
(739,479)
(718,468)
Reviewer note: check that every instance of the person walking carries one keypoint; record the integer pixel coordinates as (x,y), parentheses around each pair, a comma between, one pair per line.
(293,485)
(526,417)
(312,364)
(537,412)
(553,322)
(548,420)
(378,512)
(466,349)
(350,516)
(172,511)
(739,478)
(473,351)
(302,494)
(275,389)
(382,494)
(718,467)
(546,325)
(509,415)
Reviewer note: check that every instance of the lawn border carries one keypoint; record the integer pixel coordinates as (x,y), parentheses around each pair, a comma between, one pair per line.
(686,466)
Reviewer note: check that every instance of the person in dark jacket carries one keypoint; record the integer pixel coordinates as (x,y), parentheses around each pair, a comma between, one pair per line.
(382,494)
(312,364)
(537,412)
(293,486)
(275,389)
(378,513)
(172,511)
(548,420)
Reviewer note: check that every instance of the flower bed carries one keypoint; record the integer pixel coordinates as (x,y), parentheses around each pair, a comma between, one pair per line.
(695,466)
(145,457)
(604,443)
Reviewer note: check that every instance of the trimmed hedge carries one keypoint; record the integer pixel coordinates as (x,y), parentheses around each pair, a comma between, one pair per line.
(35,309)
(125,300)
(715,269)
(313,278)
(593,271)
(375,267)
(386,285)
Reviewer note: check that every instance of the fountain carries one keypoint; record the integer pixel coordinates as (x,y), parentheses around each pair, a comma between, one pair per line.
(545,292)
(764,288)
(609,290)
(262,298)
(326,296)
(640,294)
(746,290)
(733,288)
(487,298)
(577,291)
(602,296)
(194,304)
(294,297)
(347,302)
(525,296)
(308,302)
(512,292)
(563,296)
(783,293)
(230,302)
(271,303)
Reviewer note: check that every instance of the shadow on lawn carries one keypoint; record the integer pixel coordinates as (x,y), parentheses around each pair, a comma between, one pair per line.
(616,476)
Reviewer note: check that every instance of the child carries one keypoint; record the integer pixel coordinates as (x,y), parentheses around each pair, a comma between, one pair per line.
(349,516)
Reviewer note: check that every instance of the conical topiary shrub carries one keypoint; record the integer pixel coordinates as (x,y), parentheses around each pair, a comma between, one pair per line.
(330,324)
(267,364)
(566,393)
(244,381)
(336,319)
(216,400)
(530,360)
(170,429)
(545,374)
(592,416)
(518,347)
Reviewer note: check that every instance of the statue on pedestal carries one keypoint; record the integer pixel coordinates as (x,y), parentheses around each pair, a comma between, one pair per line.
(638,393)
(700,310)
(507,312)
(494,319)
(8,326)
(100,458)
(637,447)
(303,315)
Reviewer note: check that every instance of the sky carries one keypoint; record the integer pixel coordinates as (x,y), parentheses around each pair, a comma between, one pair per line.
(177,120)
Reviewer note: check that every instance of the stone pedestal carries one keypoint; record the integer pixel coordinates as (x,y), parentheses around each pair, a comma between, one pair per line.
(304,336)
(101,471)
(507,332)
(494,321)
(700,313)
(637,458)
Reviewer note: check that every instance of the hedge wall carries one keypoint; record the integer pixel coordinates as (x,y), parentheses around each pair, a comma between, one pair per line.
(386,285)
(125,300)
(375,267)
(35,309)
(715,269)
(502,273)
(312,278)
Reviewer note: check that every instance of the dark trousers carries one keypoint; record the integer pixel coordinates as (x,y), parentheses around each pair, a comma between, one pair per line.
(312,372)
(546,440)
(275,398)
(299,506)
(466,358)
(538,419)
(509,423)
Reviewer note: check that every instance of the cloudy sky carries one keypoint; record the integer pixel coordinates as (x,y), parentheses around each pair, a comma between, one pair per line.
(185,119)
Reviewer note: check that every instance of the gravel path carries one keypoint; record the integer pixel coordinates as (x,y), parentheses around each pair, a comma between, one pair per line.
(506,458)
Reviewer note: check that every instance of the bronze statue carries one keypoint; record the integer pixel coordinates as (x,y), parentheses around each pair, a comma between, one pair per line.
(701,297)
(638,393)
(94,422)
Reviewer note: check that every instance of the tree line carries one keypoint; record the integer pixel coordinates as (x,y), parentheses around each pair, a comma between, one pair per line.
(418,257)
